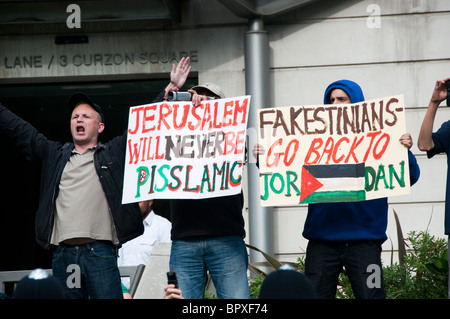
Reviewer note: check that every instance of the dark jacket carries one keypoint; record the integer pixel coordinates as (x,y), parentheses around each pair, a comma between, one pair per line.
(109,161)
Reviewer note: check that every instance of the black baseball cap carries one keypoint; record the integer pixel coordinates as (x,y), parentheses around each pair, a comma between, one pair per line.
(80,98)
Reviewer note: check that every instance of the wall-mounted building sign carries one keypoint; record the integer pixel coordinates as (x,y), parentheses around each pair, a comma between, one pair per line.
(93,59)
(104,54)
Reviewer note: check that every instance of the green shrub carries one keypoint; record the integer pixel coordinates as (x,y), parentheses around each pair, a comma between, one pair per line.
(422,274)
(255,286)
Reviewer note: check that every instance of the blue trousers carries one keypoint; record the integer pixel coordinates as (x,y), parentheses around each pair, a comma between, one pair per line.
(88,271)
(225,258)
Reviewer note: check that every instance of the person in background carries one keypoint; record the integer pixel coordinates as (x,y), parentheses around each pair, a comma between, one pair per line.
(38,284)
(208,234)
(438,142)
(80,214)
(347,234)
(286,283)
(138,250)
(80,208)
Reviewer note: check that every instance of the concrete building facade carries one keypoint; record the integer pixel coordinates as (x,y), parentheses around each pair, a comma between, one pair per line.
(388,47)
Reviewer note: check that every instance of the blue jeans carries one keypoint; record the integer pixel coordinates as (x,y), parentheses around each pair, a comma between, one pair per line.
(88,271)
(324,262)
(226,260)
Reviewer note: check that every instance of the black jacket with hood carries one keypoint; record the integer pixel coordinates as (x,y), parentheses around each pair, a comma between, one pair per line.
(109,161)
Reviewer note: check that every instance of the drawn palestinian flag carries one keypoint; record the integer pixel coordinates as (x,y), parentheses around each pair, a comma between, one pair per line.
(332,183)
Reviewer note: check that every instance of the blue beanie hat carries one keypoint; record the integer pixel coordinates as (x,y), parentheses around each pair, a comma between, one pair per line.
(351,88)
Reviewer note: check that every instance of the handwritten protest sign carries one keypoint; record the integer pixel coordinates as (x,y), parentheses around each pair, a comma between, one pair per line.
(177,150)
(333,153)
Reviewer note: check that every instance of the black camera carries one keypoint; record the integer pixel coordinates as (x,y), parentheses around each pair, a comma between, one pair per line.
(172,279)
(179,96)
(448,92)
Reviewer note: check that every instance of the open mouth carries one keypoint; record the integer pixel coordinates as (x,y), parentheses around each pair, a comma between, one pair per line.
(80,129)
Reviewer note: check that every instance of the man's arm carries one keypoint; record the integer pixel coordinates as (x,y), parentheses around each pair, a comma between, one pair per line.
(425,141)
(23,135)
